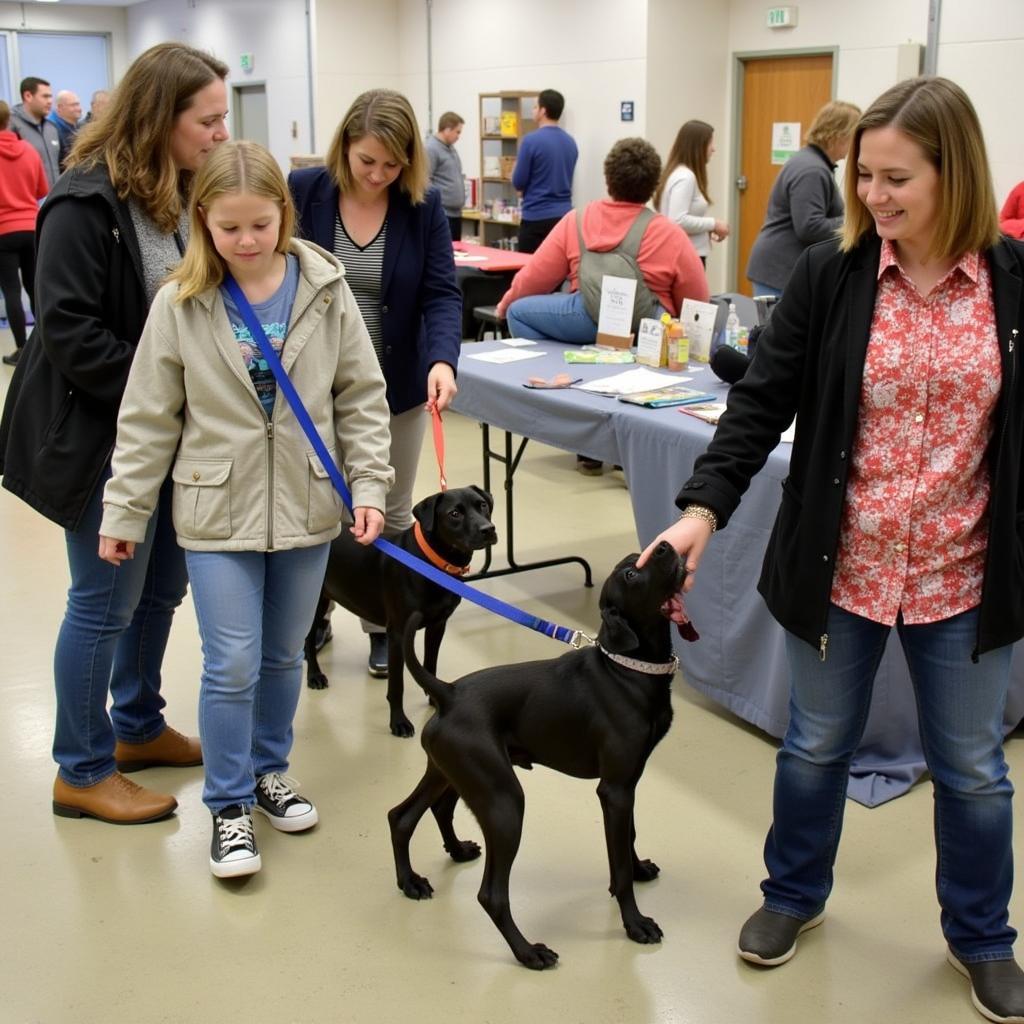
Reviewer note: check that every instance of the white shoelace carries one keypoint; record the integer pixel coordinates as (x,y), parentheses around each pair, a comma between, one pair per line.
(236,834)
(280,788)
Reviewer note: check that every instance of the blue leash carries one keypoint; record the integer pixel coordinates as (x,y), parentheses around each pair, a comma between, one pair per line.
(574,637)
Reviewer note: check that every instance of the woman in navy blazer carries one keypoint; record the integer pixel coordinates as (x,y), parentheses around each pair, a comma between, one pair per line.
(370,206)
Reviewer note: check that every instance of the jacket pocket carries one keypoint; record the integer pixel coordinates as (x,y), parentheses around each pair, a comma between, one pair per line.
(202,498)
(324,507)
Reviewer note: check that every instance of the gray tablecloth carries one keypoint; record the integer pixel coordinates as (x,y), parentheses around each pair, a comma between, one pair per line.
(740,659)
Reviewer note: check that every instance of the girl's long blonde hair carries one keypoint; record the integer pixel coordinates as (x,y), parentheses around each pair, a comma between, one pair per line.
(387,116)
(133,137)
(231,169)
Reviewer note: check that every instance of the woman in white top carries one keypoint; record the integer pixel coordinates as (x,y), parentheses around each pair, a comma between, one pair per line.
(682,193)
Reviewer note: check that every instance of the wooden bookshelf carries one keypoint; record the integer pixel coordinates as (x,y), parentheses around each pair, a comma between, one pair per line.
(505,118)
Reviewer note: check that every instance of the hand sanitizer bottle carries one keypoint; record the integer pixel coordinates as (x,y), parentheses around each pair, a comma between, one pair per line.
(732,327)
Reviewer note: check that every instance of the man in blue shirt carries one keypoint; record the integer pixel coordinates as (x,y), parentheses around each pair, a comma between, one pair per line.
(543,172)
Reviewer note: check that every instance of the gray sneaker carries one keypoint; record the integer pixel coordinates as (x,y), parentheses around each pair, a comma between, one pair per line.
(284,808)
(769,938)
(997,987)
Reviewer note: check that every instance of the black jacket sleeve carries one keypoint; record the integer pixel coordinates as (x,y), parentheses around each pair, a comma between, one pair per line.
(76,262)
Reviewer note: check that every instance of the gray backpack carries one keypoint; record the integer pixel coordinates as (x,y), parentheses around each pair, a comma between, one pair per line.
(619,262)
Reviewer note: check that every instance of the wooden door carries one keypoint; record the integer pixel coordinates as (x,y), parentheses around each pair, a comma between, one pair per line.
(774,89)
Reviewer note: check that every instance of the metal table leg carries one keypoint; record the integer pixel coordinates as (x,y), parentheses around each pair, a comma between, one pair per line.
(511,463)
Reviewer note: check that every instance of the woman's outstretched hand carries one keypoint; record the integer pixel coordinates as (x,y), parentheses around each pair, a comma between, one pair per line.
(689,537)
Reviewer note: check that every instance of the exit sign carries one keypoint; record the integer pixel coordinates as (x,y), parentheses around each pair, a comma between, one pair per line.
(781,17)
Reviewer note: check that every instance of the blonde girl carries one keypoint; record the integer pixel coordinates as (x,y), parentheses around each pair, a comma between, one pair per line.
(253,507)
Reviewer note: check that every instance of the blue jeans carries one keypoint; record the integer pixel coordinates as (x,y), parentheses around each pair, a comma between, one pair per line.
(960,707)
(112,640)
(557,317)
(765,289)
(254,610)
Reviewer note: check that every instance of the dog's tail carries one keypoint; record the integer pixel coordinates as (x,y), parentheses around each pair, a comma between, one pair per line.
(440,692)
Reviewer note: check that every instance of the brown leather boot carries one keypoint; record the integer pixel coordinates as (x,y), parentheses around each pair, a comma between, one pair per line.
(169,750)
(116,800)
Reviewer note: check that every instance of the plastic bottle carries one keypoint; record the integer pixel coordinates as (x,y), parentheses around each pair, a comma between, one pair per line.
(732,327)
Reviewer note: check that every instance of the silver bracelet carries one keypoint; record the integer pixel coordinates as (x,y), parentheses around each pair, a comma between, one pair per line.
(701,512)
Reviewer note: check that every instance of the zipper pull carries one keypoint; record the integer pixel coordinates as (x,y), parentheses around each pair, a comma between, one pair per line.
(1013,339)
(270,431)
(116,232)
(822,644)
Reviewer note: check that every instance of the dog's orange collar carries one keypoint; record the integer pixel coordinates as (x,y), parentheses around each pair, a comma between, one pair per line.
(433,557)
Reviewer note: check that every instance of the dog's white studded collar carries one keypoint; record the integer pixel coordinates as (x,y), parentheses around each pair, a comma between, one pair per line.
(652,668)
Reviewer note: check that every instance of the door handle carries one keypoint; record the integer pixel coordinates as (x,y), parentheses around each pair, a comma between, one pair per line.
(741,183)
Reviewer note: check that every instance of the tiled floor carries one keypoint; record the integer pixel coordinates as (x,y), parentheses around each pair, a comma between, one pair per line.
(107,924)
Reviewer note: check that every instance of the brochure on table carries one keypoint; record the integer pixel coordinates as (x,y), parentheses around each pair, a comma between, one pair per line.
(615,319)
(698,320)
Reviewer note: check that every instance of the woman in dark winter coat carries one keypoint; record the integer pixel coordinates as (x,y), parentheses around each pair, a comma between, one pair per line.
(108,234)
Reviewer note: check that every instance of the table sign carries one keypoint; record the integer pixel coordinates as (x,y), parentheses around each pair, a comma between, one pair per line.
(615,321)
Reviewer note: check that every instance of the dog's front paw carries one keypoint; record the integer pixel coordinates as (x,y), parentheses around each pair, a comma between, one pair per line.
(537,957)
(462,851)
(644,930)
(402,727)
(316,681)
(645,871)
(416,887)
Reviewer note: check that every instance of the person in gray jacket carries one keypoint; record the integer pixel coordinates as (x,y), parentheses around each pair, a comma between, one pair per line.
(805,205)
(445,170)
(30,118)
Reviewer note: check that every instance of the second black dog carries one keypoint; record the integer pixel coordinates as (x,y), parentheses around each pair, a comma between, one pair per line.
(593,713)
(449,526)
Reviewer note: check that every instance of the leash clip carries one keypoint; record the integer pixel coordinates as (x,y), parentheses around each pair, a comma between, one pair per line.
(578,637)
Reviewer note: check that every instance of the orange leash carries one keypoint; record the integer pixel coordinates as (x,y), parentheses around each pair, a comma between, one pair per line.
(438,426)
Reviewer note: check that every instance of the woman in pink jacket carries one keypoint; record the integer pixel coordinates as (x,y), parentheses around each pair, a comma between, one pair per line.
(670,266)
(22,185)
(1011,217)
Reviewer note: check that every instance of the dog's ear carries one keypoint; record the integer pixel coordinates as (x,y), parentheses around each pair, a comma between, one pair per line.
(426,512)
(486,495)
(616,634)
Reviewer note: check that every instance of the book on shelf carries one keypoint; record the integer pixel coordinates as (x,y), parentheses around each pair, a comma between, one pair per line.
(509,124)
(674,394)
(492,166)
(492,125)
(709,412)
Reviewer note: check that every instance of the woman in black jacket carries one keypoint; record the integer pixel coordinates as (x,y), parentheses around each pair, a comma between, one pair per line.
(896,348)
(108,234)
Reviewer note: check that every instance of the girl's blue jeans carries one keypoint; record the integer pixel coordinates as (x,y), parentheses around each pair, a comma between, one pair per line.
(254,610)
(960,707)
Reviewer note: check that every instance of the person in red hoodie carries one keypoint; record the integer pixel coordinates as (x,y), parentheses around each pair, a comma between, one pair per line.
(22,184)
(1011,217)
(670,266)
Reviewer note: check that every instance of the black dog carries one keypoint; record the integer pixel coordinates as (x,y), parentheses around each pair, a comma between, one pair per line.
(592,713)
(450,526)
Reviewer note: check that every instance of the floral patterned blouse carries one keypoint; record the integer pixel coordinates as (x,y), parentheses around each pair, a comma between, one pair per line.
(915,522)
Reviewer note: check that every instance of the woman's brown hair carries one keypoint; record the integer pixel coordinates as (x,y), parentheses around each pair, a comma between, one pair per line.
(937,115)
(689,150)
(133,138)
(387,116)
